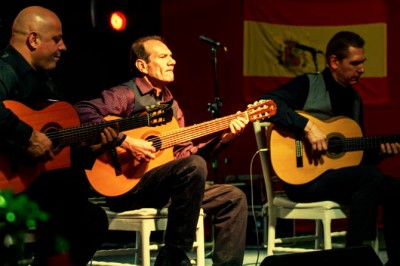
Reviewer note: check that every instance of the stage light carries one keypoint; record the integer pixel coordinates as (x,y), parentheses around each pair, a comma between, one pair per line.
(118,21)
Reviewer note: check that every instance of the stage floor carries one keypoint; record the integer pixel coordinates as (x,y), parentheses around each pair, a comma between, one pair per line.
(253,256)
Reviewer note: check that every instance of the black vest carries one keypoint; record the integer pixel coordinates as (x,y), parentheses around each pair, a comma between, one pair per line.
(143,100)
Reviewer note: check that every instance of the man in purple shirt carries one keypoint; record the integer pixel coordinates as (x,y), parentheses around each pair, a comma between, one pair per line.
(180,182)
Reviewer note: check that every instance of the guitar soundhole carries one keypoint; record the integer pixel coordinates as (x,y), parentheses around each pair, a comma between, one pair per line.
(335,145)
(50,128)
(156,142)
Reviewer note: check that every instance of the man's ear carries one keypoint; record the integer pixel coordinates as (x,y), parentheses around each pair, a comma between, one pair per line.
(333,62)
(141,65)
(33,40)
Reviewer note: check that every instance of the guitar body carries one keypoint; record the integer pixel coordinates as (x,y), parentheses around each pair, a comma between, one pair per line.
(292,160)
(15,172)
(103,176)
(115,173)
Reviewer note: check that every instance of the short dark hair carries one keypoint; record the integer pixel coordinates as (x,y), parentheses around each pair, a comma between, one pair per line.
(340,43)
(138,52)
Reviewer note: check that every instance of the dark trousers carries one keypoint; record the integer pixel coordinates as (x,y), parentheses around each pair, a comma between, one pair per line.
(228,206)
(75,226)
(391,218)
(181,184)
(363,188)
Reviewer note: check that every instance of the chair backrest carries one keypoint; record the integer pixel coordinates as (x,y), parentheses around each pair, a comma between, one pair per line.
(280,206)
(271,181)
(262,130)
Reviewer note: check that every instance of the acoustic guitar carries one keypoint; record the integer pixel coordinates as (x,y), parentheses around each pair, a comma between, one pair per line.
(293,162)
(60,122)
(116,174)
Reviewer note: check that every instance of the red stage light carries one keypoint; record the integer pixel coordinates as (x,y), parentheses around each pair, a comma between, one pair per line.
(118,21)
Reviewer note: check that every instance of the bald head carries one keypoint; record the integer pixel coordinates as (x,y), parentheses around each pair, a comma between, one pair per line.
(33,19)
(37,36)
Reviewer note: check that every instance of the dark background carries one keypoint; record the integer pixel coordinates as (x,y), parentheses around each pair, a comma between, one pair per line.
(97,57)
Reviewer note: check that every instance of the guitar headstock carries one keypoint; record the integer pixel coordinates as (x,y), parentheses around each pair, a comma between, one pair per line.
(160,113)
(261,109)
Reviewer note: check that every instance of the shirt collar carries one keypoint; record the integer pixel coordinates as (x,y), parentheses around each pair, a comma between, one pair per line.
(143,86)
(332,83)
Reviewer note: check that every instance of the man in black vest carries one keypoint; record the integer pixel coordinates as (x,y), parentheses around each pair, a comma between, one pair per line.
(180,181)
(363,187)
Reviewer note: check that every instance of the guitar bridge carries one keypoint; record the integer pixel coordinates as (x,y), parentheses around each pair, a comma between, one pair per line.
(299,151)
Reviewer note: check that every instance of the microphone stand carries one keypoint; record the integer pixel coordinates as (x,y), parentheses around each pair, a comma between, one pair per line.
(314,56)
(215,108)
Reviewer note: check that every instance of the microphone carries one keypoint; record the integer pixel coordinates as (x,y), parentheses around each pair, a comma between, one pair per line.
(212,42)
(308,48)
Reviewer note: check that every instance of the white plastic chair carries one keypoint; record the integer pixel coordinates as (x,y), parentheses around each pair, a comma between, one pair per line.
(280,206)
(143,222)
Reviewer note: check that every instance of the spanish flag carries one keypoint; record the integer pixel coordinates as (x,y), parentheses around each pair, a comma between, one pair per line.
(286,38)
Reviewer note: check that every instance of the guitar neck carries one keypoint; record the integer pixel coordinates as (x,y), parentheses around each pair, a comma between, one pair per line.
(360,143)
(129,123)
(68,136)
(172,138)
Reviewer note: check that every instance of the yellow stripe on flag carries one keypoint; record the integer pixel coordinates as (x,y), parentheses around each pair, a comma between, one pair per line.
(269,48)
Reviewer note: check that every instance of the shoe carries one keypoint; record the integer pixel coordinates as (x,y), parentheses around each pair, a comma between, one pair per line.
(172,256)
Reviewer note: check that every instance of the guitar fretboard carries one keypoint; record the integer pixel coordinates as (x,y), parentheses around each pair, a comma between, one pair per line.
(336,144)
(73,135)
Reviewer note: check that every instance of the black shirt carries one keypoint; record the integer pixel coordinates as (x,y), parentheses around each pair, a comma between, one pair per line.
(292,96)
(20,82)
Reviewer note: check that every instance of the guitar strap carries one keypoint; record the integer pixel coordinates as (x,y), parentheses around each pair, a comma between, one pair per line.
(115,161)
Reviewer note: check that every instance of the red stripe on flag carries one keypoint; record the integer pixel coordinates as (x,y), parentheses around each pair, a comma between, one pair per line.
(373,91)
(316,13)
(255,87)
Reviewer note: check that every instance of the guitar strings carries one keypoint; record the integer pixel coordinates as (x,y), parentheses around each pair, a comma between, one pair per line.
(362,143)
(339,144)
(180,135)
(88,131)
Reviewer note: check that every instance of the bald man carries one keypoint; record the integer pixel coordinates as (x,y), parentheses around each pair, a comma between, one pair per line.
(76,227)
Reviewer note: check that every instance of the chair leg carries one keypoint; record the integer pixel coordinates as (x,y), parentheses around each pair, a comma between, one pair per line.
(376,242)
(326,223)
(265,230)
(319,234)
(145,247)
(138,246)
(271,235)
(200,242)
